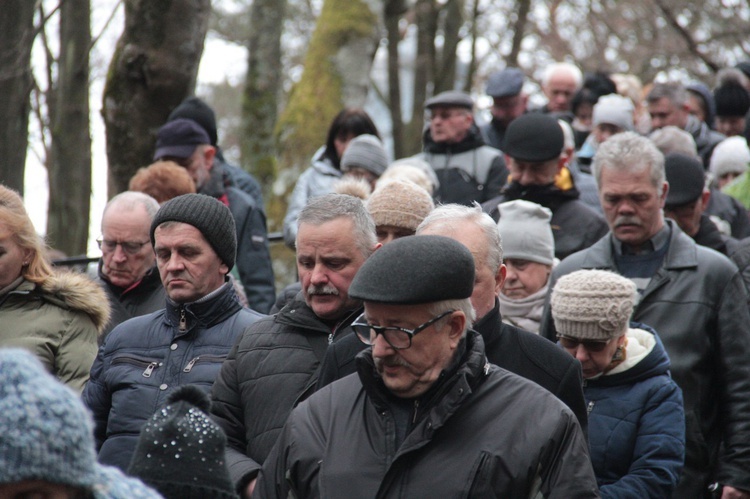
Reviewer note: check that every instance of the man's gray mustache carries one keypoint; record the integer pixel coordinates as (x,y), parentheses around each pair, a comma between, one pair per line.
(322,290)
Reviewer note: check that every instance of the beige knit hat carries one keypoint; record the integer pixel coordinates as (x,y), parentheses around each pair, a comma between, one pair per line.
(400,203)
(593,304)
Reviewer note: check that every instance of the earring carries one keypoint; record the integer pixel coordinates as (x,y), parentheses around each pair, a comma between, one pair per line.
(619,354)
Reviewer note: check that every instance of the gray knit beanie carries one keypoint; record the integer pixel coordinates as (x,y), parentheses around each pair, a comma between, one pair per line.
(399,203)
(47,433)
(731,155)
(367,152)
(615,110)
(526,232)
(208,215)
(593,304)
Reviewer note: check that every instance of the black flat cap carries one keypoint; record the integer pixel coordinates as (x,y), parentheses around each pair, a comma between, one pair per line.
(533,137)
(416,269)
(686,178)
(505,83)
(450,98)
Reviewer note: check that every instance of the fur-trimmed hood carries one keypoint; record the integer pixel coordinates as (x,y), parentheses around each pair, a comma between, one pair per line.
(78,292)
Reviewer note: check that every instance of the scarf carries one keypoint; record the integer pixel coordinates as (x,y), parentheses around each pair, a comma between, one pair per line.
(525,313)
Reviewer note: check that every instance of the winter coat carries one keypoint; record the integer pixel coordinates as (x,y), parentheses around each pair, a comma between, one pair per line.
(58,321)
(316,180)
(575,226)
(520,352)
(146,296)
(730,210)
(146,358)
(637,422)
(698,304)
(468,171)
(480,431)
(273,367)
(705,138)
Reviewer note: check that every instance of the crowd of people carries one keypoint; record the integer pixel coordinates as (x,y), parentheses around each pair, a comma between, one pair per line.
(555,303)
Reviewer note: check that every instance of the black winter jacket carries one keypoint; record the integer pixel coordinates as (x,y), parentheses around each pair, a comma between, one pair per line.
(480,431)
(146,358)
(698,304)
(272,368)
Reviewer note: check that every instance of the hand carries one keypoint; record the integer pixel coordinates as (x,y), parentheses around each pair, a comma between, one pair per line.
(729,492)
(251,487)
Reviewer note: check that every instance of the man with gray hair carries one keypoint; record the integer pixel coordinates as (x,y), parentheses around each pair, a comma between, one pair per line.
(127,269)
(693,296)
(426,415)
(275,365)
(560,82)
(509,347)
(668,105)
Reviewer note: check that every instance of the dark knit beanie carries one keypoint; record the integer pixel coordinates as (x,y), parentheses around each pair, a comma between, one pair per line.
(180,451)
(195,109)
(732,99)
(414,270)
(208,215)
(534,137)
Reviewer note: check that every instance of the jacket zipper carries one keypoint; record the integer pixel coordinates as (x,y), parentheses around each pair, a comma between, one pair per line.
(590,408)
(150,369)
(416,410)
(183,321)
(194,360)
(149,365)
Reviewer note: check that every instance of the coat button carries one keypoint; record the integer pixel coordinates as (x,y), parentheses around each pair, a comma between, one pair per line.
(173,346)
(163,386)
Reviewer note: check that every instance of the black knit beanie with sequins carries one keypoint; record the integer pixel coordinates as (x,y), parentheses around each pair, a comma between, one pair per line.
(180,452)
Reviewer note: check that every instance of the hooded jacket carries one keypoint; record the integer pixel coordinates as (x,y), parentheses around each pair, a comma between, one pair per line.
(316,180)
(637,422)
(705,138)
(479,431)
(273,367)
(58,321)
(698,304)
(467,171)
(146,358)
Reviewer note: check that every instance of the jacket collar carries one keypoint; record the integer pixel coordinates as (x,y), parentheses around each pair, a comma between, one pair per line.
(151,280)
(205,313)
(472,141)
(297,313)
(681,254)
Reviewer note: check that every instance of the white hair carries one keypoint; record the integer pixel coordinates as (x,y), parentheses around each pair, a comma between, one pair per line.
(562,67)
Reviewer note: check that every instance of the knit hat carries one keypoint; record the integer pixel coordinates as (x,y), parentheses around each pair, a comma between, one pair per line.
(592,304)
(533,137)
(405,167)
(367,152)
(526,232)
(210,216)
(686,178)
(180,451)
(615,110)
(414,270)
(47,433)
(731,97)
(400,203)
(731,155)
(197,110)
(179,138)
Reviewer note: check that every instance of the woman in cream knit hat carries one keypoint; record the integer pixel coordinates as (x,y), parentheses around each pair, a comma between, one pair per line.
(636,416)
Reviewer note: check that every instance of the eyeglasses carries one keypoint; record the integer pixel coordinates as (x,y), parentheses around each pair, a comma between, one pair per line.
(129,247)
(591,345)
(397,337)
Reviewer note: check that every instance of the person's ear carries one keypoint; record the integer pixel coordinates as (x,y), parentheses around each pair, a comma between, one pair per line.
(457,323)
(502,272)
(209,153)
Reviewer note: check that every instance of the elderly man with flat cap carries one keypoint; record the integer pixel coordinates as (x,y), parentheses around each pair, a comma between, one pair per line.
(534,153)
(467,169)
(508,103)
(144,359)
(426,415)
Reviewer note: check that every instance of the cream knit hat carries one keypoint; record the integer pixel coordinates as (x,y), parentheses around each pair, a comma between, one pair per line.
(592,304)
(400,203)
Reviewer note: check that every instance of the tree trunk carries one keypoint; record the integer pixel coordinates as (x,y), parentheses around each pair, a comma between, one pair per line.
(336,75)
(70,164)
(519,30)
(445,76)
(153,69)
(261,95)
(394,9)
(16,40)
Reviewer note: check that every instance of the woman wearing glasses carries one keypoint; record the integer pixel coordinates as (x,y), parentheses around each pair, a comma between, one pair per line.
(636,417)
(57,316)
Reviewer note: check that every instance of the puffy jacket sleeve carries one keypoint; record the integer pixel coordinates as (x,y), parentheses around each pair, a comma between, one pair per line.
(77,351)
(497,177)
(659,450)
(98,399)
(227,411)
(254,262)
